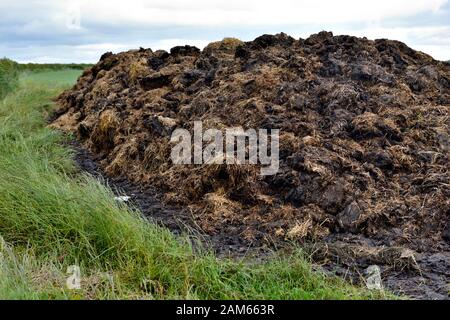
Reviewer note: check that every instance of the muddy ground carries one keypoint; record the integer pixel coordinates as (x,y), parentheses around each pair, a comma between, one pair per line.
(364,147)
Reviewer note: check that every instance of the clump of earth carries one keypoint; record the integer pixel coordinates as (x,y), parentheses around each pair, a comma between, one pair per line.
(364,141)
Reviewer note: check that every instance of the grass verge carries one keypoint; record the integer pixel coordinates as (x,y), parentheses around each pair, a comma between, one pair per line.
(52,217)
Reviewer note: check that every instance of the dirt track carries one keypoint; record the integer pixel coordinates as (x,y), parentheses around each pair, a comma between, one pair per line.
(365,136)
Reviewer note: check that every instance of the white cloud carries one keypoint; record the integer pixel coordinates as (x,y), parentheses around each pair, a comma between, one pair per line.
(252,12)
(83,29)
(438,52)
(226,12)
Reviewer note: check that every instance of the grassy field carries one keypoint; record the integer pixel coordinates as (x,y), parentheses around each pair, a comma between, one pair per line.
(52,216)
(58,78)
(59,74)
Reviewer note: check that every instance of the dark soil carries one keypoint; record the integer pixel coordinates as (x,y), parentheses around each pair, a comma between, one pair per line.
(150,202)
(364,155)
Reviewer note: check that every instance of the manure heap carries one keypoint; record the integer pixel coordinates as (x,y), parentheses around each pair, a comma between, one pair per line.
(364,135)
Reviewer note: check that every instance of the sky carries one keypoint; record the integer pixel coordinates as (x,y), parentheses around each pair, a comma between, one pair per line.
(46,31)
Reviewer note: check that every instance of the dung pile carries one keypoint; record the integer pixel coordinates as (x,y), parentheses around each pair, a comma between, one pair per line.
(364,134)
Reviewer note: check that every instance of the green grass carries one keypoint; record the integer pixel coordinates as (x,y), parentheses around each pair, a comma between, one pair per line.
(9,74)
(51,74)
(51,216)
(52,78)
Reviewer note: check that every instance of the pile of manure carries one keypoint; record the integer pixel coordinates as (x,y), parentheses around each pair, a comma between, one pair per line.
(364,135)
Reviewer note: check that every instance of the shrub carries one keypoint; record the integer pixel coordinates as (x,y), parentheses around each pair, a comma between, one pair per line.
(9,76)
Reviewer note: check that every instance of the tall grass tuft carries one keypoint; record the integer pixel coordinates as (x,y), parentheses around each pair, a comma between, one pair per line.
(9,76)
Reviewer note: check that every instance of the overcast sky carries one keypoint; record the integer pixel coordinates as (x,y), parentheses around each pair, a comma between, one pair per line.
(81,30)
